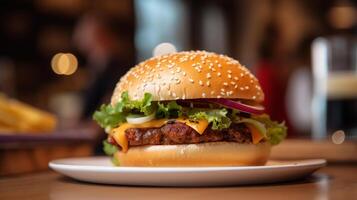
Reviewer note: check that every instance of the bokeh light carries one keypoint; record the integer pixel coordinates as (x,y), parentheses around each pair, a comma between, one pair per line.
(164,48)
(338,137)
(64,64)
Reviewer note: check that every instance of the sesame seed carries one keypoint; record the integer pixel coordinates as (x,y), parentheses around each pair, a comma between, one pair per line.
(222,89)
(208,75)
(218,96)
(212,92)
(225,84)
(229,71)
(203,94)
(184,73)
(219,65)
(241,74)
(177,81)
(235,78)
(174,94)
(246,87)
(254,97)
(200,82)
(241,88)
(191,80)
(208,83)
(219,74)
(229,76)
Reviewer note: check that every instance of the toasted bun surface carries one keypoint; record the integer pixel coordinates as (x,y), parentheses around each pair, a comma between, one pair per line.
(189,75)
(204,154)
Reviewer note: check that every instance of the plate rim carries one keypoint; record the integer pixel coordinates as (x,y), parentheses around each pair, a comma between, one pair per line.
(56,165)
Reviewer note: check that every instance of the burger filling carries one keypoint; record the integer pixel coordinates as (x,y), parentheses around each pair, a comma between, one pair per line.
(180,133)
(146,122)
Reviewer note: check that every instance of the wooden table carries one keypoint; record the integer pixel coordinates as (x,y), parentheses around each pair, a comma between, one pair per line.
(332,182)
(32,152)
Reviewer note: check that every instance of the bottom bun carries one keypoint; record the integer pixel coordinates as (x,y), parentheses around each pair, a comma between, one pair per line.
(203,154)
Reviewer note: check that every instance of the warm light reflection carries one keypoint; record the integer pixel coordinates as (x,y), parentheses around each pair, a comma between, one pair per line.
(54,62)
(164,48)
(338,137)
(342,16)
(64,63)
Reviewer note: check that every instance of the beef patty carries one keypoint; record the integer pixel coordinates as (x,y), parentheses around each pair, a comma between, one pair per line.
(180,133)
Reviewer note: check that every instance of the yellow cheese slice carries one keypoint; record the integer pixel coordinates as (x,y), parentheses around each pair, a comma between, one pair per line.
(119,133)
(256,135)
(199,126)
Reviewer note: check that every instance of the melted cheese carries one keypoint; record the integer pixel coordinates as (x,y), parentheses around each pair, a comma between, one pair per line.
(119,133)
(256,135)
(199,126)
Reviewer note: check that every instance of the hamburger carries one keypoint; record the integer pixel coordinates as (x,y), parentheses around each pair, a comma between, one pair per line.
(192,108)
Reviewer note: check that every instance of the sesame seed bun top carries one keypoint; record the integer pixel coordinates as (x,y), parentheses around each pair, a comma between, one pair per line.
(189,75)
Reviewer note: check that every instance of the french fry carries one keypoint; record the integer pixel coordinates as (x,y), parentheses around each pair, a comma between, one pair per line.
(5,129)
(21,117)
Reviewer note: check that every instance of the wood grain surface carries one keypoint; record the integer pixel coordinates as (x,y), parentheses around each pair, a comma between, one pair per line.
(331,182)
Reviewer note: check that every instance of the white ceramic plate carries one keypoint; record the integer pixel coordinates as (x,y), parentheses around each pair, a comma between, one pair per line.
(100,170)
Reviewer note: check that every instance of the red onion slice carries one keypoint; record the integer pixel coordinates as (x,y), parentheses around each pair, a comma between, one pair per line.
(238,106)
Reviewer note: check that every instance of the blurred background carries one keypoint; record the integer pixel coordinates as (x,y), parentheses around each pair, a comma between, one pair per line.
(304,53)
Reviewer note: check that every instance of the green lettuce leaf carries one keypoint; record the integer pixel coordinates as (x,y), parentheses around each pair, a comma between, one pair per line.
(276,132)
(109,116)
(108,148)
(217,117)
(169,110)
(115,161)
(144,105)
